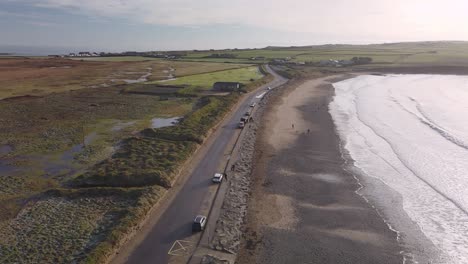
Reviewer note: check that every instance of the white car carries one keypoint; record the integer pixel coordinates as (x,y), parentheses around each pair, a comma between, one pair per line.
(268,88)
(199,223)
(252,104)
(218,178)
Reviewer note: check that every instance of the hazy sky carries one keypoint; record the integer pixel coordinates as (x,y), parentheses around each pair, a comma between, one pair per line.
(116,25)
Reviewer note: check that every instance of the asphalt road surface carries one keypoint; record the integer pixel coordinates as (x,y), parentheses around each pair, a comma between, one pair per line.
(175,223)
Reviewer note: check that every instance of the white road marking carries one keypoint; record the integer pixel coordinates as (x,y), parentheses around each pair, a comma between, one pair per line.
(180,248)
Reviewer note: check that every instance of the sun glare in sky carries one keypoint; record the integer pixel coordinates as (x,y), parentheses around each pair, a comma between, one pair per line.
(183,24)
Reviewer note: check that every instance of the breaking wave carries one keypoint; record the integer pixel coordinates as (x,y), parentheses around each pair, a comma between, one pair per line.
(412,134)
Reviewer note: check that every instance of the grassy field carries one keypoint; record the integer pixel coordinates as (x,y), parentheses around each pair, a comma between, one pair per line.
(154,157)
(417,53)
(221,60)
(244,75)
(49,140)
(59,229)
(39,77)
(117,58)
(69,124)
(73,226)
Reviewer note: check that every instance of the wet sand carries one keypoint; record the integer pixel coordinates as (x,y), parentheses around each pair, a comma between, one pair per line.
(304,207)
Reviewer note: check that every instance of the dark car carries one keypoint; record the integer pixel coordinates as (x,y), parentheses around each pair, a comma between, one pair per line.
(199,223)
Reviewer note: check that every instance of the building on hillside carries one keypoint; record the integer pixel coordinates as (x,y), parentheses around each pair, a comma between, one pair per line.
(258,58)
(84,54)
(347,62)
(335,63)
(226,86)
(329,63)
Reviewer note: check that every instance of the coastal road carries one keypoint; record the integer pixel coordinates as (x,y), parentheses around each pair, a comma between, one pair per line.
(175,223)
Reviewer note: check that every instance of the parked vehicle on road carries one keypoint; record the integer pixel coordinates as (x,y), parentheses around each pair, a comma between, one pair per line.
(241,124)
(245,119)
(218,177)
(252,104)
(268,88)
(199,223)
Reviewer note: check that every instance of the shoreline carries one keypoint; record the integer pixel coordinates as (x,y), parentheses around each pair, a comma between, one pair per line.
(429,235)
(277,217)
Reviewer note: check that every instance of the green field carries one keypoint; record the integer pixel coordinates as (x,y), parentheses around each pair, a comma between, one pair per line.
(117,58)
(68,124)
(206,80)
(398,54)
(39,77)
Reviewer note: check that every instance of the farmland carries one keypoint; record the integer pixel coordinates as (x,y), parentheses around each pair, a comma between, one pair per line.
(395,54)
(117,58)
(205,80)
(38,77)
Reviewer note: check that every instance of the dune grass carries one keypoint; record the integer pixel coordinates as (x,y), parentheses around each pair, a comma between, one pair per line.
(155,157)
(66,226)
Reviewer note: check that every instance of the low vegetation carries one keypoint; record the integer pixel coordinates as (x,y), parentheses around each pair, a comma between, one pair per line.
(244,75)
(154,157)
(42,76)
(81,166)
(66,226)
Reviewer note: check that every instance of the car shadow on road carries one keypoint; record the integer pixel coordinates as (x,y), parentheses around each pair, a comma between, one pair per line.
(202,184)
(181,232)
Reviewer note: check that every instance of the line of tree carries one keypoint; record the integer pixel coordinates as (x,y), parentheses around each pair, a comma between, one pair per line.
(222,55)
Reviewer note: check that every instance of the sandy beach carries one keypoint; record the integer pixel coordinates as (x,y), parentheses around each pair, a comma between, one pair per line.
(305,206)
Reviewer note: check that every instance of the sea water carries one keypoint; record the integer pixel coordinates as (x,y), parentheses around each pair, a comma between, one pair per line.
(411,132)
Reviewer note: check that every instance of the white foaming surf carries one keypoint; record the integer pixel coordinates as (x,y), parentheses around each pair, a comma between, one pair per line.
(411,132)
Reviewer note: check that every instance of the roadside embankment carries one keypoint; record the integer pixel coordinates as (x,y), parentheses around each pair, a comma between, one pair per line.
(231,221)
(148,163)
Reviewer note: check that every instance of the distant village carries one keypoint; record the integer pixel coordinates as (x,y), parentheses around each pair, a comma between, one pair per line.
(324,63)
(151,54)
